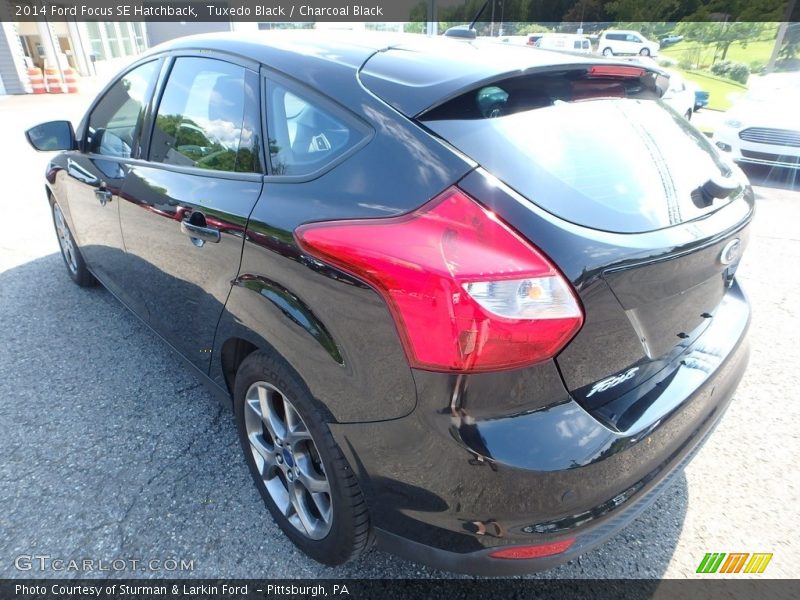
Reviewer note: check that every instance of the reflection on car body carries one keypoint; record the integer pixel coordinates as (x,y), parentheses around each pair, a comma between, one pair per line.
(466,299)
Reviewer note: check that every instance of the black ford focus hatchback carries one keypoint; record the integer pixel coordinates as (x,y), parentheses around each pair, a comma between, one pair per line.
(473,303)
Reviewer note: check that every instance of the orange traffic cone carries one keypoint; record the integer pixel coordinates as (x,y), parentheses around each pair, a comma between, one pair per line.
(71,80)
(37,80)
(53,80)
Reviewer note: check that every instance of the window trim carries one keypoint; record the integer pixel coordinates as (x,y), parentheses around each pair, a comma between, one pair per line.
(251,76)
(141,127)
(270,77)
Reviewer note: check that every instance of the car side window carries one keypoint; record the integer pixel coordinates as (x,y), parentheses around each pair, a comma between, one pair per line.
(304,134)
(116,120)
(201,118)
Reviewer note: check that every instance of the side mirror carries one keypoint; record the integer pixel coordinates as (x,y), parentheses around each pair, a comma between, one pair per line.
(51,136)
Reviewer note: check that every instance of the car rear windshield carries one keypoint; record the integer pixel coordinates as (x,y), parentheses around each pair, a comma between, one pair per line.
(599,151)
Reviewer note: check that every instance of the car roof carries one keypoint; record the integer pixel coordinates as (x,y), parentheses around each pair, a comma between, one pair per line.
(286,50)
(395,67)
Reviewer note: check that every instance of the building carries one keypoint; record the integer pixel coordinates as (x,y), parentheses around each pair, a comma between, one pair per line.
(90,48)
(100,49)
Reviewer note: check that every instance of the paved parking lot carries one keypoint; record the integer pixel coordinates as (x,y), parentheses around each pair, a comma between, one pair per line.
(110,449)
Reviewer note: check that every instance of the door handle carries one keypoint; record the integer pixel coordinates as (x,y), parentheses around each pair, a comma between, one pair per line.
(200,234)
(103,195)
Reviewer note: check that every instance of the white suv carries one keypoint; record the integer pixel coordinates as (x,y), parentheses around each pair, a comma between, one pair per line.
(626,42)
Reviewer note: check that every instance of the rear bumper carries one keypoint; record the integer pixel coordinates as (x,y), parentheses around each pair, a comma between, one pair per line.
(481,563)
(447,490)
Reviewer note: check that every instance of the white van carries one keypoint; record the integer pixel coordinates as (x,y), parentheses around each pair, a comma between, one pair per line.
(571,42)
(626,42)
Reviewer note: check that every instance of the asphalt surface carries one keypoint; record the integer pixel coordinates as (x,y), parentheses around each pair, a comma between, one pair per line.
(111,449)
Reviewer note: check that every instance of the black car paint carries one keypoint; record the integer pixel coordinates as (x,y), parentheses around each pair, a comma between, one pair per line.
(683,256)
(435,453)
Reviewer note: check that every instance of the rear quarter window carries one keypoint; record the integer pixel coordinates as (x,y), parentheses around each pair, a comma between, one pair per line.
(306,133)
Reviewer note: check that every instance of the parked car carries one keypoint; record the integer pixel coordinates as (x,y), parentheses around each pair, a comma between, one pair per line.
(626,42)
(763,127)
(701,97)
(533,38)
(671,39)
(479,313)
(564,41)
(680,95)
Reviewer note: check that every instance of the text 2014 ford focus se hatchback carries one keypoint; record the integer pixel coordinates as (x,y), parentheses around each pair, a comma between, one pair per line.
(472,302)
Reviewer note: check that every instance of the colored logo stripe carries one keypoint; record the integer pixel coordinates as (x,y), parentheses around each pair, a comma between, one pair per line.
(734,563)
(711,562)
(758,563)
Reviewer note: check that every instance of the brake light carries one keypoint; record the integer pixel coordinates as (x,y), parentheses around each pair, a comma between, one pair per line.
(539,551)
(466,291)
(615,71)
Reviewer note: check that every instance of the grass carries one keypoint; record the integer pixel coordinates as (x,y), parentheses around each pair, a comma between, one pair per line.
(702,55)
(722,91)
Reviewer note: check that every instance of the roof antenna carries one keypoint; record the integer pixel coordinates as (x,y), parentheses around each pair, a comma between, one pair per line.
(467,33)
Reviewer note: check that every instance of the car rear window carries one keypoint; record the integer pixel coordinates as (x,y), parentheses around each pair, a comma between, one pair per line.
(599,152)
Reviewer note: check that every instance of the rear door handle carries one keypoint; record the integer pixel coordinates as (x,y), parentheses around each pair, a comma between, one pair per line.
(103,195)
(200,234)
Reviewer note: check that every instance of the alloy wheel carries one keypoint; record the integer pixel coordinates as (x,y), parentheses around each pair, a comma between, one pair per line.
(65,240)
(288,460)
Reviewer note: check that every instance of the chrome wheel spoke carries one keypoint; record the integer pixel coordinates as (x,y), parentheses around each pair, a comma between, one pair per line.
(264,452)
(307,520)
(266,413)
(280,495)
(323,504)
(298,436)
(314,484)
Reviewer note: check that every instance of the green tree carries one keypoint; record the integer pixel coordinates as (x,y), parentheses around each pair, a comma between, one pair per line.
(722,35)
(526,28)
(791,42)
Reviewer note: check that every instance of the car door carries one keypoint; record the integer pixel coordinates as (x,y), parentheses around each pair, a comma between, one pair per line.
(96,171)
(633,43)
(184,210)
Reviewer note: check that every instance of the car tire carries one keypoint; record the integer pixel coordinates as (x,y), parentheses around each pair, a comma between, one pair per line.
(644,52)
(73,260)
(288,445)
(608,52)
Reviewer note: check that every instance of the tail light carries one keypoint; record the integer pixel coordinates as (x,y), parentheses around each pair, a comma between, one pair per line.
(467,292)
(615,71)
(538,551)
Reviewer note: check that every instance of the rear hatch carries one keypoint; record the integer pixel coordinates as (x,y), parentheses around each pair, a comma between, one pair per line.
(654,219)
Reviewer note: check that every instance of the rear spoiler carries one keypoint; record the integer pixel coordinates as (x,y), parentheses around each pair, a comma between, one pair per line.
(405,77)
(611,79)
